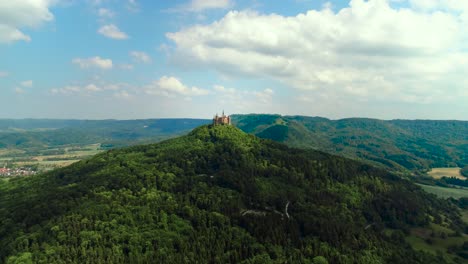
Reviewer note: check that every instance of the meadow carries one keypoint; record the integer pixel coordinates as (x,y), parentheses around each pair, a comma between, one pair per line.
(444,192)
(435,238)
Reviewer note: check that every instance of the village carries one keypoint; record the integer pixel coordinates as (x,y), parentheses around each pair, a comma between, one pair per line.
(13,172)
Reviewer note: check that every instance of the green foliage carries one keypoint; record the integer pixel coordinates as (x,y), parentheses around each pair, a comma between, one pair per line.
(217,195)
(399,145)
(319,260)
(43,133)
(464,171)
(276,132)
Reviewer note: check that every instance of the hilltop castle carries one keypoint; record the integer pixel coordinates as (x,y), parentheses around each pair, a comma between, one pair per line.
(221,120)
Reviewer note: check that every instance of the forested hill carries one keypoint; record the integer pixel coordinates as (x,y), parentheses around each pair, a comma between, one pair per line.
(217,195)
(396,144)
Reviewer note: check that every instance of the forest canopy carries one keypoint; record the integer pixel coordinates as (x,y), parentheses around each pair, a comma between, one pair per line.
(218,195)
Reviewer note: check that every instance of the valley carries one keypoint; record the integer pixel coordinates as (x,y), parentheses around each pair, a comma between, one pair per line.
(185,199)
(47,159)
(233,131)
(42,144)
(441,234)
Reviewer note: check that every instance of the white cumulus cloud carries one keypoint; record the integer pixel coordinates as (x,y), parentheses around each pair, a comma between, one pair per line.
(94,62)
(19,90)
(133,6)
(113,32)
(3,74)
(238,97)
(90,89)
(105,13)
(69,89)
(368,49)
(173,87)
(140,56)
(202,5)
(27,84)
(18,14)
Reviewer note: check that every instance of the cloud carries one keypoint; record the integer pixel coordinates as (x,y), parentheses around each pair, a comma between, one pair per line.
(429,5)
(368,49)
(96,2)
(27,84)
(9,34)
(66,90)
(132,6)
(87,89)
(92,88)
(222,89)
(113,32)
(94,62)
(244,98)
(202,5)
(4,74)
(19,90)
(18,14)
(140,56)
(264,96)
(105,13)
(173,87)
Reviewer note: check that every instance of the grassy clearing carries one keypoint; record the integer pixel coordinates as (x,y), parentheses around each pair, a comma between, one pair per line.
(435,239)
(443,192)
(438,173)
(464,214)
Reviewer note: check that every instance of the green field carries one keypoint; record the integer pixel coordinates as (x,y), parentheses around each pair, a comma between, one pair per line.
(436,245)
(464,214)
(445,192)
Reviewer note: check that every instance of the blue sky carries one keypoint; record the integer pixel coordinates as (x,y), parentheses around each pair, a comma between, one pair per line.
(126,59)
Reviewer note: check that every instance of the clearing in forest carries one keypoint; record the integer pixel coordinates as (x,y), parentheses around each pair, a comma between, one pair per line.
(438,173)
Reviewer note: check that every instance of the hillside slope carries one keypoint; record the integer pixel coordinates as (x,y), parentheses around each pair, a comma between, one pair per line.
(217,195)
(397,144)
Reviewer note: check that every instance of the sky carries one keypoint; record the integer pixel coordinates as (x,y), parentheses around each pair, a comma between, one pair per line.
(134,59)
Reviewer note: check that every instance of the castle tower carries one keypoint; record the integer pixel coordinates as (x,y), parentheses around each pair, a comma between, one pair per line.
(221,120)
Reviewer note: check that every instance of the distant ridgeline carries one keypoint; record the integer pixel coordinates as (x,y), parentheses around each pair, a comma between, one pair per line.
(397,144)
(219,195)
(400,145)
(43,133)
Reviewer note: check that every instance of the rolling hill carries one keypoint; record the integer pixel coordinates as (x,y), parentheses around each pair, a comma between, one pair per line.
(41,133)
(219,195)
(401,145)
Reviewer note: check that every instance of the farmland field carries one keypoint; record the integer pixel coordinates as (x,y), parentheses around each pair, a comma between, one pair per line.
(438,173)
(444,192)
(48,159)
